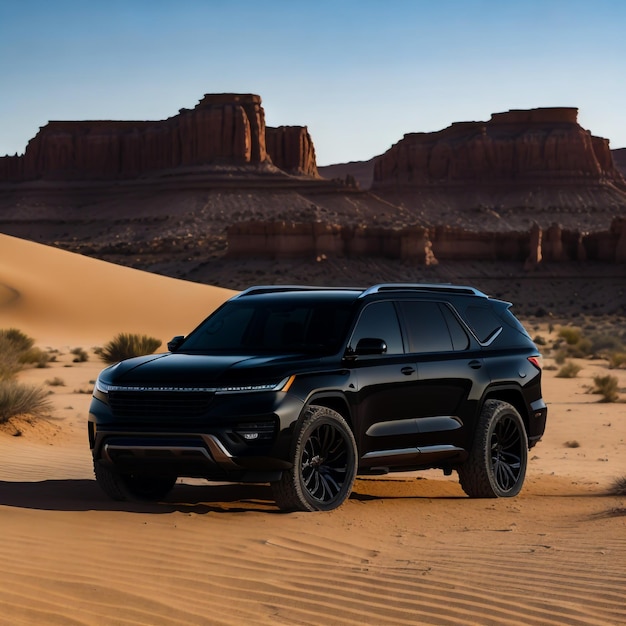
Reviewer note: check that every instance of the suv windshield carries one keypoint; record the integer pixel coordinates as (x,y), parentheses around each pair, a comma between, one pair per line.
(272,326)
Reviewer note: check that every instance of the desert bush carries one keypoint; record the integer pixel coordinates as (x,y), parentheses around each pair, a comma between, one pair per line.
(607,387)
(569,370)
(16,339)
(19,399)
(56,382)
(572,444)
(539,340)
(14,348)
(127,345)
(560,357)
(617,360)
(571,334)
(603,343)
(80,355)
(618,488)
(36,357)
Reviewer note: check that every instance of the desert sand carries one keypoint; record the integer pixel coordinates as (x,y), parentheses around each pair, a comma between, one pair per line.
(405,549)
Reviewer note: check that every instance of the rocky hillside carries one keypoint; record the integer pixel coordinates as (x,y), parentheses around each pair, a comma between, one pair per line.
(223,129)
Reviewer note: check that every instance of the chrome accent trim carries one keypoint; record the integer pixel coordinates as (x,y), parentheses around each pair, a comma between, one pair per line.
(401,452)
(490,339)
(216,452)
(408,451)
(262,289)
(106,387)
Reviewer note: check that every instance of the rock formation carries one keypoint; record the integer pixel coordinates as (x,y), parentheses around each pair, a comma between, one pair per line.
(425,246)
(544,145)
(292,149)
(223,129)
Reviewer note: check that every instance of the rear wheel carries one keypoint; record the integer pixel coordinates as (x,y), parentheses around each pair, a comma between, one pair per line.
(496,466)
(324,457)
(132,486)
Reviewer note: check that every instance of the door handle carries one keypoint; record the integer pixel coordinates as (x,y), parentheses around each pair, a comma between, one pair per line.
(475,364)
(407,371)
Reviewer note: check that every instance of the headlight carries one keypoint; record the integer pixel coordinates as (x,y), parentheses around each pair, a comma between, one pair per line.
(283,385)
(101,386)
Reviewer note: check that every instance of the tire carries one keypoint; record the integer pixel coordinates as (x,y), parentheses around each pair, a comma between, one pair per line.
(497,462)
(132,486)
(324,457)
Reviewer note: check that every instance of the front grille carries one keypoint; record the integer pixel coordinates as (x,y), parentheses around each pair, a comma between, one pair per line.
(155,405)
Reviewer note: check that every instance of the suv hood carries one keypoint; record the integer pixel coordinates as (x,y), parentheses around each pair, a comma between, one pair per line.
(196,370)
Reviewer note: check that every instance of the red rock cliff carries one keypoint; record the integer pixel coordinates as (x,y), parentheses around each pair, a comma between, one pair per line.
(292,149)
(522,146)
(221,129)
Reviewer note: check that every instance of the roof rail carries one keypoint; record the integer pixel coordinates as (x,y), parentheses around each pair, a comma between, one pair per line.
(261,289)
(432,287)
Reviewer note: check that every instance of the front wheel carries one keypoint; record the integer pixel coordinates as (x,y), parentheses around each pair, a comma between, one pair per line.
(132,486)
(324,457)
(496,466)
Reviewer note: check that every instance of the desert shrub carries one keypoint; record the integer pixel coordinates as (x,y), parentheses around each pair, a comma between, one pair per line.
(560,357)
(603,343)
(36,357)
(607,387)
(571,343)
(16,339)
(571,334)
(572,444)
(127,345)
(618,488)
(539,340)
(80,355)
(19,399)
(56,382)
(14,348)
(569,370)
(617,360)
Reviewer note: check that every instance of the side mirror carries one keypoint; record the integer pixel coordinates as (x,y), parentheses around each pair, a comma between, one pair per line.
(174,343)
(370,345)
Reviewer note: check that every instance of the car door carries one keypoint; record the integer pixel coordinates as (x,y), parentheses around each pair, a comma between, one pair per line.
(451,373)
(382,384)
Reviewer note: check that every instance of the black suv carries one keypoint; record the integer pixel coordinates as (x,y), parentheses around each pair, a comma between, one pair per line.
(306,387)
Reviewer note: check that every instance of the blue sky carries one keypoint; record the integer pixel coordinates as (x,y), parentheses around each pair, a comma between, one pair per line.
(359,73)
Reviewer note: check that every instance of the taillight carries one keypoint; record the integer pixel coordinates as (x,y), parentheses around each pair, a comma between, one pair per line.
(537,361)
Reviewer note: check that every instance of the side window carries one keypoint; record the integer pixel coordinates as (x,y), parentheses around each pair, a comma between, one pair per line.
(380,321)
(482,321)
(427,327)
(460,340)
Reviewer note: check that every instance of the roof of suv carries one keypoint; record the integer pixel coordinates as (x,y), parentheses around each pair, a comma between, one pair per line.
(362,292)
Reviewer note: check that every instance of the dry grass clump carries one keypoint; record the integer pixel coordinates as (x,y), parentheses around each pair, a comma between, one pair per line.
(80,355)
(16,351)
(19,399)
(127,345)
(569,370)
(607,344)
(607,387)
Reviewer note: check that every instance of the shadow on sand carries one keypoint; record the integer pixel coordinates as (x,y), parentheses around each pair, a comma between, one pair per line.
(85,495)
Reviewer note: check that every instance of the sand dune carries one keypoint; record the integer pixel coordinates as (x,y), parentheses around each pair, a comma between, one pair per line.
(55,295)
(406,549)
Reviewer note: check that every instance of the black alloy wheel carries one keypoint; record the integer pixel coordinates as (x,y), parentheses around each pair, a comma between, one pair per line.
(496,466)
(324,464)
